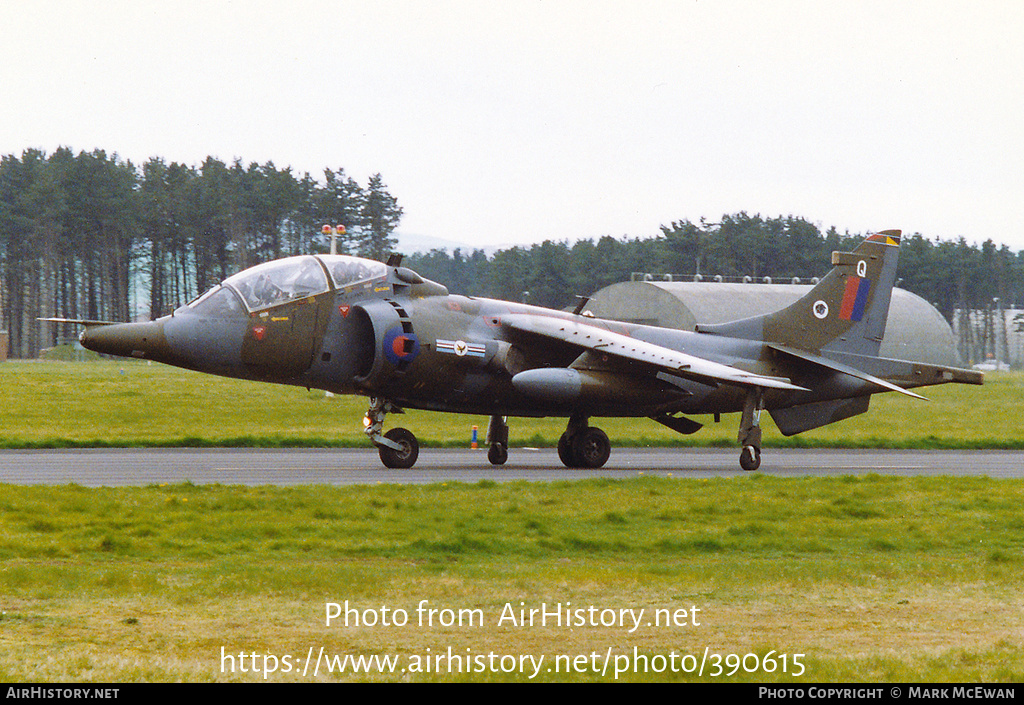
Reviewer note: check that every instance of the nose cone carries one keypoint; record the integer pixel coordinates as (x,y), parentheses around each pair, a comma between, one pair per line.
(142,340)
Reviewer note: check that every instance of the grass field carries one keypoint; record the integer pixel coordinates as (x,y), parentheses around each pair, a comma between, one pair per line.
(857,578)
(868,579)
(132,403)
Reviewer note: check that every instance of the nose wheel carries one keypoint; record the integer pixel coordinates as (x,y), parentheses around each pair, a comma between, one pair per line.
(398,448)
(402,457)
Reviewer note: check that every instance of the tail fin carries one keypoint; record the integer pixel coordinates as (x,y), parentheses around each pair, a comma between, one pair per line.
(845,312)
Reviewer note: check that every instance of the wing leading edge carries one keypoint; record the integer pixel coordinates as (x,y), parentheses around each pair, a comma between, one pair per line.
(591,337)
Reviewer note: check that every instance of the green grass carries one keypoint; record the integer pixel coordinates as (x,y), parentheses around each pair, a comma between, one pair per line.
(132,403)
(871,578)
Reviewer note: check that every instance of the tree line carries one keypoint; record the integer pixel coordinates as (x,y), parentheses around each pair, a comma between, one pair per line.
(951,275)
(93,236)
(971,285)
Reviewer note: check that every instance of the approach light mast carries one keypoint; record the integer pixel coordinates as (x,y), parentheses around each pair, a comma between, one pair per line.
(333,232)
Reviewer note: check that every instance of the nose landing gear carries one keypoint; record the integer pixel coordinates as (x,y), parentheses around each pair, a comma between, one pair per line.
(398,448)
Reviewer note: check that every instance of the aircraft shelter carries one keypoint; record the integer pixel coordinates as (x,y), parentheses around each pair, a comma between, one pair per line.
(915,330)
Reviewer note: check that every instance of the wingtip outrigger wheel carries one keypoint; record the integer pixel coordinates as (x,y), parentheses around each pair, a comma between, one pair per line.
(750,458)
(750,430)
(398,448)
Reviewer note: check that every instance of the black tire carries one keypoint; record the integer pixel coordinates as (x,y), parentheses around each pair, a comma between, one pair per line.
(497,454)
(400,459)
(750,458)
(565,452)
(591,448)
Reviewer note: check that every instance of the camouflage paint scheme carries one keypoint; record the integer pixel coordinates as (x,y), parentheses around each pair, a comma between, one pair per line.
(353,326)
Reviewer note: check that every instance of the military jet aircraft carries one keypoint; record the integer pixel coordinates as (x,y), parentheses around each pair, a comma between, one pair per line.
(354,326)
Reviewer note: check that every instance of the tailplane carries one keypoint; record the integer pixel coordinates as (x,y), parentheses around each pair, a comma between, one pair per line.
(845,312)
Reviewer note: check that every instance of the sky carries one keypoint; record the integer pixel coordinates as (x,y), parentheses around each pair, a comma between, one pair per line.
(501,123)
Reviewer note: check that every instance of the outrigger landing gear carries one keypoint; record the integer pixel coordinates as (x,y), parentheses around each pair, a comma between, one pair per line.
(398,447)
(750,430)
(497,440)
(583,446)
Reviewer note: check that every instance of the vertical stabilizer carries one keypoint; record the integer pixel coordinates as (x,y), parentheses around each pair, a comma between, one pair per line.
(845,312)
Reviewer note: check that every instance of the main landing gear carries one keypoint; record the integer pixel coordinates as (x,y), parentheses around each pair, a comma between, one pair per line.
(583,446)
(750,430)
(497,440)
(398,447)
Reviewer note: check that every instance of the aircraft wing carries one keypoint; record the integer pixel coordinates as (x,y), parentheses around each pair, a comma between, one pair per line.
(591,337)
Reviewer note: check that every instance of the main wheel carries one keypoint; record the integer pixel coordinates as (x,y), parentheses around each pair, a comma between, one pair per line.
(750,458)
(591,448)
(404,458)
(497,454)
(565,451)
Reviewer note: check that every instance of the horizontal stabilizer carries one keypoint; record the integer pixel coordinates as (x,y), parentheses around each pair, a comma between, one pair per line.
(844,369)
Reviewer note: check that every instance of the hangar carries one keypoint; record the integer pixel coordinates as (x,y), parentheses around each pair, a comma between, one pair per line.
(915,330)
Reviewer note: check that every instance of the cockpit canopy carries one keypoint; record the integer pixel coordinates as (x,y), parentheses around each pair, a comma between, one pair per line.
(280,281)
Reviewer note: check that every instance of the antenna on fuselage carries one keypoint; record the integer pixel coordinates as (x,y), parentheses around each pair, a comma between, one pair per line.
(580,304)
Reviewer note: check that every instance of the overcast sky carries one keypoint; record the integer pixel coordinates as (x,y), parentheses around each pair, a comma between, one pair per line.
(496,123)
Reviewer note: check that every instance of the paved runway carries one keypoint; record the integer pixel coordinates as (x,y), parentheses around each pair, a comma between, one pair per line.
(93,468)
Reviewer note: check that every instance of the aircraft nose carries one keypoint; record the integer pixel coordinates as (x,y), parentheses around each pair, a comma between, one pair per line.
(143,340)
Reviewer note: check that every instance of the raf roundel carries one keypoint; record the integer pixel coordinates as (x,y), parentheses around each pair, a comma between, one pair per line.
(400,347)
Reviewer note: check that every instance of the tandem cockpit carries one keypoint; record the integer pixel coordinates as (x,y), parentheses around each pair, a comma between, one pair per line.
(299,320)
(273,321)
(281,281)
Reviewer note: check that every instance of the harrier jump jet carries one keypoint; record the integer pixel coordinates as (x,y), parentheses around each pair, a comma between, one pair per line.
(354,326)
